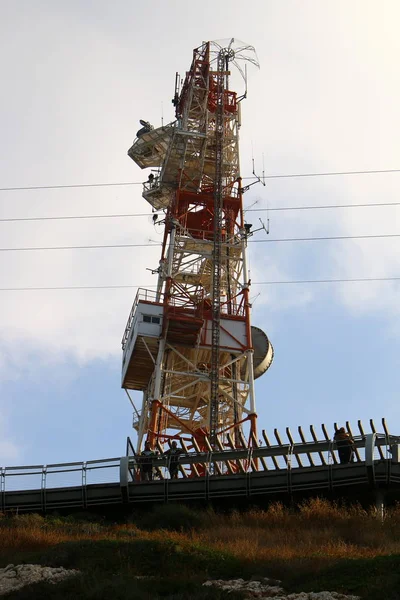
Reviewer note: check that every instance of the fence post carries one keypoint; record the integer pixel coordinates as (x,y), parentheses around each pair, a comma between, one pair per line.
(3,488)
(123,478)
(369,457)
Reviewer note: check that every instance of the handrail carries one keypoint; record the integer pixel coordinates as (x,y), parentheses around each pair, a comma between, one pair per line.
(43,474)
(143,295)
(285,450)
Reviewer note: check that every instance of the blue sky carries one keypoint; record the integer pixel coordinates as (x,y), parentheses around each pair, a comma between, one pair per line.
(77,79)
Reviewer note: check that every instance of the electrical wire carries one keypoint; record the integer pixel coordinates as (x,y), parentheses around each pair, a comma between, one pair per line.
(119,287)
(351,280)
(126,183)
(328,238)
(96,247)
(282,208)
(155,245)
(75,217)
(331,173)
(129,215)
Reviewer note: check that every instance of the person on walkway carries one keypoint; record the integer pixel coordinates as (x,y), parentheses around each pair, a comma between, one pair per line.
(146,463)
(345,446)
(173,462)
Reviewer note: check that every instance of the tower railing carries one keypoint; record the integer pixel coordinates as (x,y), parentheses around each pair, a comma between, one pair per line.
(142,295)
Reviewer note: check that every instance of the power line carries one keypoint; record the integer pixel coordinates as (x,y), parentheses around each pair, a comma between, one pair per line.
(119,287)
(330,173)
(71,185)
(75,217)
(127,183)
(155,245)
(129,215)
(81,247)
(322,206)
(351,280)
(327,238)
(75,287)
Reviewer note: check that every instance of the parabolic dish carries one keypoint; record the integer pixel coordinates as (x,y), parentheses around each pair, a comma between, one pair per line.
(263,352)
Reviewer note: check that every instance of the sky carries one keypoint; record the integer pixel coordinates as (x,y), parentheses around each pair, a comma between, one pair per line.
(76,79)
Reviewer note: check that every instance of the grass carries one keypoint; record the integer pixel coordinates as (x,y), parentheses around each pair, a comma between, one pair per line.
(315,546)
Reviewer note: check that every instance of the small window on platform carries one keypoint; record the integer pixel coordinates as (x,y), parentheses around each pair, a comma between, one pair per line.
(151,319)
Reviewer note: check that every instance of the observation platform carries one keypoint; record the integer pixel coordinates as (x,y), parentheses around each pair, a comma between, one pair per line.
(266,472)
(187,329)
(141,340)
(150,149)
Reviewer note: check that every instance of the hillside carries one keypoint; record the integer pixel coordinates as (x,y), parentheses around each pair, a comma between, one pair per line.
(169,551)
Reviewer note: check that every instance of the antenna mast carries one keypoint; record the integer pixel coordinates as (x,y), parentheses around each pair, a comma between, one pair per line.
(189,347)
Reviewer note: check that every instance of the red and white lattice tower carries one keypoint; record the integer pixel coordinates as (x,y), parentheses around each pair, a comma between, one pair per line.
(189,345)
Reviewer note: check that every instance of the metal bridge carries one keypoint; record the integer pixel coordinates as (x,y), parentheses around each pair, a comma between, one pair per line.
(260,472)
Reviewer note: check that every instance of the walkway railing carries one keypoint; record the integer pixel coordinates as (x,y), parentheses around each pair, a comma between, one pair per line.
(263,469)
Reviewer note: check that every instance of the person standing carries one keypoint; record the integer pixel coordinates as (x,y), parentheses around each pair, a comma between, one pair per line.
(345,446)
(146,463)
(173,462)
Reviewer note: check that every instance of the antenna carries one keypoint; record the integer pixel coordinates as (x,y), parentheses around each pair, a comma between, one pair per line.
(251,205)
(257,179)
(248,233)
(252,300)
(244,75)
(263,170)
(239,54)
(266,229)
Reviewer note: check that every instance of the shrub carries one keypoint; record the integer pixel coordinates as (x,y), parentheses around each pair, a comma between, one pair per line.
(172,517)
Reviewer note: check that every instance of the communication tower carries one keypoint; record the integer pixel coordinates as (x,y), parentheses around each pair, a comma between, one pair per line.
(189,345)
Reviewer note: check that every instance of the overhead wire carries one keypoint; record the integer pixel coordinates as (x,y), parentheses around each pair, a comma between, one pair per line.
(130,215)
(94,247)
(127,183)
(65,217)
(327,238)
(322,206)
(290,208)
(154,245)
(277,282)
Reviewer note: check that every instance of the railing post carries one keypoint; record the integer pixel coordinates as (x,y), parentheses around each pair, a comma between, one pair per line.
(84,484)
(43,487)
(395,451)
(331,461)
(369,457)
(289,468)
(3,488)
(124,478)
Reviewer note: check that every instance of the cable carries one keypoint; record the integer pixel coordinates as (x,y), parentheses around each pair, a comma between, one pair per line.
(81,247)
(118,287)
(154,245)
(283,176)
(327,238)
(72,185)
(354,280)
(330,173)
(319,207)
(75,217)
(75,287)
(128,215)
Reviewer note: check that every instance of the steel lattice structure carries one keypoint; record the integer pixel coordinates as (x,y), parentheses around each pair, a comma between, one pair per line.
(189,346)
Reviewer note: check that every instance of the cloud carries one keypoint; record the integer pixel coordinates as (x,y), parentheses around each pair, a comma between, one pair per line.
(11,449)
(314,106)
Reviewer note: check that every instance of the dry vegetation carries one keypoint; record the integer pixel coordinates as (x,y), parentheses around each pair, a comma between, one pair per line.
(317,545)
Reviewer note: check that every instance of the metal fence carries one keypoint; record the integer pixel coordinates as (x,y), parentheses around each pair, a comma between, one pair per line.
(61,475)
(283,467)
